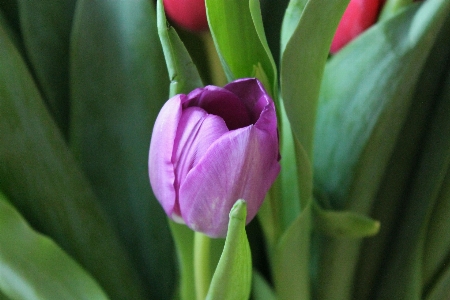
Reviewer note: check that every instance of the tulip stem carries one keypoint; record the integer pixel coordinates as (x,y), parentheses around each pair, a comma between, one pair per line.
(202,271)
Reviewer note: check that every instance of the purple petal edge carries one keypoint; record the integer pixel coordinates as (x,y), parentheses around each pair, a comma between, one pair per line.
(160,166)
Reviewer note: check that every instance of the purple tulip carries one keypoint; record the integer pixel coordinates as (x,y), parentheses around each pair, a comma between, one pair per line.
(212,147)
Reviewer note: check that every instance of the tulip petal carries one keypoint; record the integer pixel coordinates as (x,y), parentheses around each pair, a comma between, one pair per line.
(239,165)
(221,102)
(197,130)
(252,94)
(160,166)
(359,15)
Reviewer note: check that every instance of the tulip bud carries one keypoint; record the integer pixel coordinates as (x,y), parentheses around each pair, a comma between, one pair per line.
(359,15)
(212,147)
(189,14)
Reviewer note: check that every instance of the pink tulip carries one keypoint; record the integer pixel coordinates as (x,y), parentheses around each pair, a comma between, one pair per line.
(189,14)
(212,147)
(359,15)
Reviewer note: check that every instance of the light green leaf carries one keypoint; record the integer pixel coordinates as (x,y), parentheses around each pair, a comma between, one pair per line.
(32,266)
(291,259)
(183,74)
(118,85)
(343,223)
(184,244)
(237,31)
(45,27)
(42,179)
(261,290)
(302,64)
(233,275)
(291,18)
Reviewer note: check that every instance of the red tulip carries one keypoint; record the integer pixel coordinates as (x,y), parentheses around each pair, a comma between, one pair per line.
(188,14)
(359,15)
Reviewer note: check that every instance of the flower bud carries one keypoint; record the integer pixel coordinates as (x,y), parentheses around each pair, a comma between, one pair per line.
(212,147)
(359,15)
(188,14)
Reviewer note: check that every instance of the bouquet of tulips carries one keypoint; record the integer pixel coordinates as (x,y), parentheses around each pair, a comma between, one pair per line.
(225,149)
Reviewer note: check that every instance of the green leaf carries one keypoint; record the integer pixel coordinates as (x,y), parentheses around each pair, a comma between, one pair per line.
(45,27)
(238,33)
(291,19)
(357,126)
(361,112)
(32,266)
(407,259)
(437,245)
(42,179)
(184,76)
(8,27)
(441,289)
(10,11)
(291,259)
(343,223)
(261,290)
(390,195)
(302,64)
(233,275)
(118,85)
(184,244)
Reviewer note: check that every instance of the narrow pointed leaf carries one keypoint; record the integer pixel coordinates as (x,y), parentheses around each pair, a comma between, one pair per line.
(232,278)
(291,259)
(240,42)
(291,18)
(302,64)
(32,266)
(183,74)
(343,223)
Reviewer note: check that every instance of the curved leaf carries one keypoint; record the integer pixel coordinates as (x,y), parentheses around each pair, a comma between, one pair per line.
(32,266)
(42,179)
(291,259)
(233,275)
(238,34)
(343,223)
(302,64)
(361,112)
(184,76)
(118,85)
